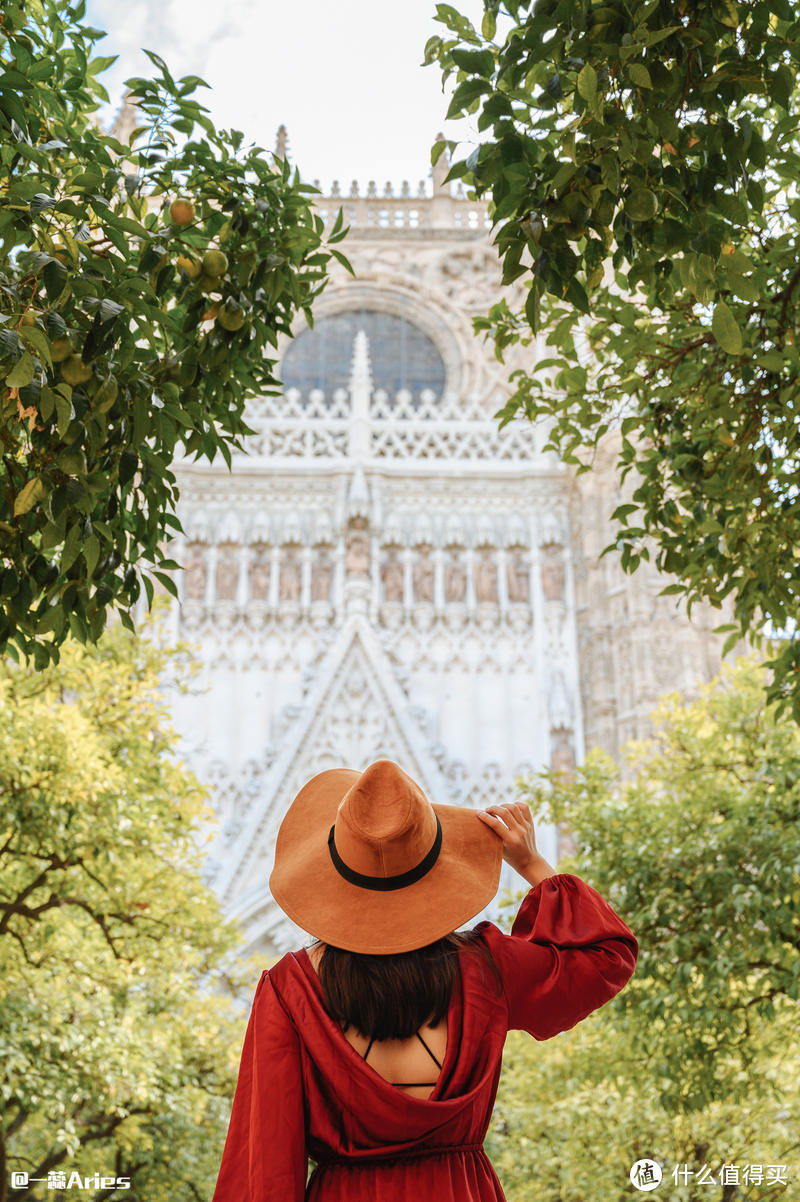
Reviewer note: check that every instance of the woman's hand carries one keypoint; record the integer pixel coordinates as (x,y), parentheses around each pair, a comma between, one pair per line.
(514,824)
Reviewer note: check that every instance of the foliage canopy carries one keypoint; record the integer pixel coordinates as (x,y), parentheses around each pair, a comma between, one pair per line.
(641,159)
(697,843)
(133,327)
(118,1047)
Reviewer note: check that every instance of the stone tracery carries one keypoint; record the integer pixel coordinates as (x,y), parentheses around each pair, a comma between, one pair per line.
(387,573)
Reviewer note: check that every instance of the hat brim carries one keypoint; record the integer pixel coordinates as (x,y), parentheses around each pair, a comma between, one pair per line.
(307,886)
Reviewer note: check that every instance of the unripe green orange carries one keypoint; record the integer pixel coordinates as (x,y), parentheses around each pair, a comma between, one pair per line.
(215,263)
(75,371)
(60,348)
(231,318)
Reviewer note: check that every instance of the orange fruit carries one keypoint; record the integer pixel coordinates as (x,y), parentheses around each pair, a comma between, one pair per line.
(181,212)
(190,266)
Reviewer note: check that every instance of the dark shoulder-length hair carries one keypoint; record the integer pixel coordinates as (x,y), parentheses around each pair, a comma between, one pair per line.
(392,996)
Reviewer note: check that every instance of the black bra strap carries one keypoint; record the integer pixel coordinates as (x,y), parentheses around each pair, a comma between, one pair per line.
(427,1049)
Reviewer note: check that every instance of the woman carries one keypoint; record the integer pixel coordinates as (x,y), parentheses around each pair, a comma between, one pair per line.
(344,1039)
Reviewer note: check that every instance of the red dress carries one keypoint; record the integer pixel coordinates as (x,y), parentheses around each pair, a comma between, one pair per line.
(303,1090)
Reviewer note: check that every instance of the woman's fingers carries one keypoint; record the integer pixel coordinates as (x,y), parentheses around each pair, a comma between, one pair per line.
(516,813)
(495,823)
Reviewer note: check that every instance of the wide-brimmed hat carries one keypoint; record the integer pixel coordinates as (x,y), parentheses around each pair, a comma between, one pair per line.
(364,861)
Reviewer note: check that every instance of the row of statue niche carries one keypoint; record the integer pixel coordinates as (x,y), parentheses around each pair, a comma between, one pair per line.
(227,573)
(455,577)
(357,563)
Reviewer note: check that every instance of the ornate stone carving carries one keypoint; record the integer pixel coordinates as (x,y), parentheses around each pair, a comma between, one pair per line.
(290,575)
(321,576)
(559,700)
(518,577)
(195,572)
(416,466)
(553,573)
(455,577)
(423,575)
(486,577)
(357,548)
(227,571)
(260,573)
(392,576)
(562,757)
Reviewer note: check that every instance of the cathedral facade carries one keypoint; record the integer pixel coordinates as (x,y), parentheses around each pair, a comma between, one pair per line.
(385,573)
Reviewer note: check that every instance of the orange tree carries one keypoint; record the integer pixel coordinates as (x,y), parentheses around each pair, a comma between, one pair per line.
(142,288)
(641,162)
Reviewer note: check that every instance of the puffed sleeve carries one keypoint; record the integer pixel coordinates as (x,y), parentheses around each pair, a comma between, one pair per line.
(568,954)
(265,1158)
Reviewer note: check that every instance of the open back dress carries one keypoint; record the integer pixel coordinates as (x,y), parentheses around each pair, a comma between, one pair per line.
(304,1091)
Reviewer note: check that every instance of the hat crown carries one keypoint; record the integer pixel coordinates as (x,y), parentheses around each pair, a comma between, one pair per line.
(385,825)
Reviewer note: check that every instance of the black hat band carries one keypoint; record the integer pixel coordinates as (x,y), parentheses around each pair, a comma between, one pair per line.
(386,883)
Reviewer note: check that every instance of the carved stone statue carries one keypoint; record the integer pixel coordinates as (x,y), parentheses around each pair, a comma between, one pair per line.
(455,577)
(423,575)
(227,572)
(518,578)
(392,576)
(259,575)
(553,574)
(321,576)
(357,549)
(562,759)
(290,575)
(486,577)
(195,572)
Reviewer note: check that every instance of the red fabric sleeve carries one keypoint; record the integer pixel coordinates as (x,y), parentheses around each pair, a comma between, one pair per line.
(265,1158)
(568,954)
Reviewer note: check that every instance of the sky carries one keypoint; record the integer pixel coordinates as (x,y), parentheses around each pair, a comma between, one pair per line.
(344,78)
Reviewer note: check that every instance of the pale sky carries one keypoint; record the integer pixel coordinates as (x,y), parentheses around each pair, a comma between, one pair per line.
(345,78)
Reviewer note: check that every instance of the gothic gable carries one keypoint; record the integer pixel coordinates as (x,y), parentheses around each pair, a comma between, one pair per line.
(354,713)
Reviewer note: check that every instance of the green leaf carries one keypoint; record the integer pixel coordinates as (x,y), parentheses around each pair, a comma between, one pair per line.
(725,329)
(477,62)
(22,371)
(91,552)
(54,277)
(63,411)
(36,338)
(587,83)
(32,493)
(729,14)
(640,75)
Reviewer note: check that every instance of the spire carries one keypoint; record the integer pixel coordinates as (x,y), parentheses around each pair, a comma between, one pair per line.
(360,391)
(360,371)
(126,119)
(281,143)
(358,494)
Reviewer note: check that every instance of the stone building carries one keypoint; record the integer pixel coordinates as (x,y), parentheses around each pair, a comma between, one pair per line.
(387,574)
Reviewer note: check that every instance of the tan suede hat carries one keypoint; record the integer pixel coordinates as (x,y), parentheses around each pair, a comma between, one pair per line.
(364,861)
